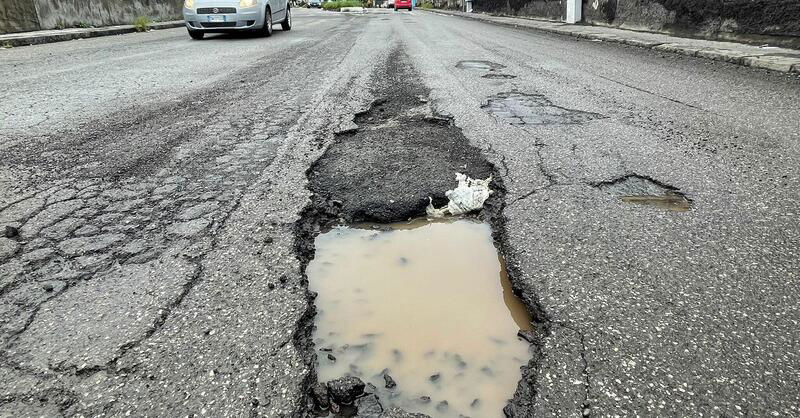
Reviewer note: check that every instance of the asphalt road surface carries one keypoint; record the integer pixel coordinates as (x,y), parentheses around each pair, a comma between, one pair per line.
(156,214)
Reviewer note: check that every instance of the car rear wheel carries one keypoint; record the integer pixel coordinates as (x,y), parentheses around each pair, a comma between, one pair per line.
(267,29)
(196,34)
(287,21)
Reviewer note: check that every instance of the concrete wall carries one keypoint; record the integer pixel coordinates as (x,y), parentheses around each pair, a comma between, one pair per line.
(445,4)
(548,9)
(25,15)
(777,21)
(770,21)
(18,16)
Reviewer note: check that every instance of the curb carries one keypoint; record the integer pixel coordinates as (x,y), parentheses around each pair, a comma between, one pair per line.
(37,38)
(756,60)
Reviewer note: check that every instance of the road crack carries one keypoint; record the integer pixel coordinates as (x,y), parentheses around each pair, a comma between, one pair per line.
(656,95)
(587,382)
(187,288)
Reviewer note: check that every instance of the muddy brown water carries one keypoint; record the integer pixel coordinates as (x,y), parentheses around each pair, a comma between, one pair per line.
(670,201)
(427,301)
(646,191)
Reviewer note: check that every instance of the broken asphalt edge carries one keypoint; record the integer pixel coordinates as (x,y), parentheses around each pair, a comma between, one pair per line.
(324,210)
(46,37)
(767,62)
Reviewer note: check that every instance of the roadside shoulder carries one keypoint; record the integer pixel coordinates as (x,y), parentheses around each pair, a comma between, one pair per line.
(770,58)
(59,35)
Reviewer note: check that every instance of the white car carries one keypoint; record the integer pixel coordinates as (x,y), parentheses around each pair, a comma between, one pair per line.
(209,16)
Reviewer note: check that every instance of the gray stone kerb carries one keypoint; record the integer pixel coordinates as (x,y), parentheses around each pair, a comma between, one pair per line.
(58,35)
(772,58)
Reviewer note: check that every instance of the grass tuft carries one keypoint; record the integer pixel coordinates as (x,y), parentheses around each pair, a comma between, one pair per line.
(142,23)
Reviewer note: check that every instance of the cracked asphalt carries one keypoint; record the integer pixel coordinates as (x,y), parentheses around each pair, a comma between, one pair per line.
(151,187)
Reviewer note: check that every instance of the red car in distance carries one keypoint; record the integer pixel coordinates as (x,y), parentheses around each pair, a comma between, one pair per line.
(403,4)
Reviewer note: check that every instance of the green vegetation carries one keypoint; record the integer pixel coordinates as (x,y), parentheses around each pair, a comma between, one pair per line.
(426,5)
(6,45)
(82,25)
(336,5)
(142,23)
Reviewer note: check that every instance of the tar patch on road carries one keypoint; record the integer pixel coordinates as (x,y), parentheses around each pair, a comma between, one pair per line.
(401,154)
(534,109)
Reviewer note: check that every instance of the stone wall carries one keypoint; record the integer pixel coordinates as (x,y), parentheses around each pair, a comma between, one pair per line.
(547,9)
(445,4)
(769,21)
(18,16)
(26,15)
(777,21)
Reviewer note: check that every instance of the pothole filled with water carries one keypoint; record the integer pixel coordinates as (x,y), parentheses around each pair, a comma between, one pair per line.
(645,191)
(534,109)
(498,76)
(479,65)
(670,200)
(423,311)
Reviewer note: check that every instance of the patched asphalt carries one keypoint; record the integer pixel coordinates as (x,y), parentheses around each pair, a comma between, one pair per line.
(401,157)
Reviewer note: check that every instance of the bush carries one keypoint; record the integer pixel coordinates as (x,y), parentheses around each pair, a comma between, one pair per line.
(336,5)
(426,5)
(142,23)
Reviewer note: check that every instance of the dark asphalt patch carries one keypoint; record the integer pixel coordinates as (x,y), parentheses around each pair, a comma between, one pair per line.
(386,170)
(519,108)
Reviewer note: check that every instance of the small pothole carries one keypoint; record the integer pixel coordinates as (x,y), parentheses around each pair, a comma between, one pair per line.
(500,76)
(519,108)
(422,312)
(479,65)
(646,191)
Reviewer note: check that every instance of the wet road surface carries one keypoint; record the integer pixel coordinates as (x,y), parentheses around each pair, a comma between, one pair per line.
(151,189)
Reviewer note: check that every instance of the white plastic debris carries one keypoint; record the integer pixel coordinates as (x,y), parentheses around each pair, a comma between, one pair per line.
(468,196)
